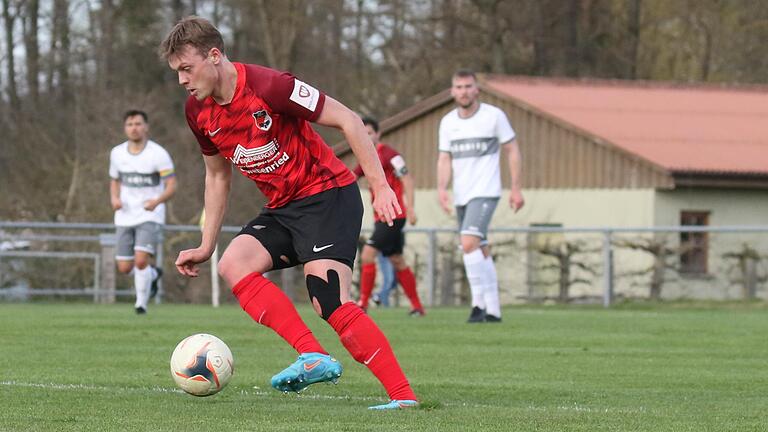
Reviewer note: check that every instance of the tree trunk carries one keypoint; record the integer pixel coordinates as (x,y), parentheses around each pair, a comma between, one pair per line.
(9,20)
(657,278)
(633,28)
(565,277)
(572,44)
(32,48)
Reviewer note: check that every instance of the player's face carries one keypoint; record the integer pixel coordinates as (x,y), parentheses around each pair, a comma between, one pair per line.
(197,74)
(464,91)
(136,129)
(372,134)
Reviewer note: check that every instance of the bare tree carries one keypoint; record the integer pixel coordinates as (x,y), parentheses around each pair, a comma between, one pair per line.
(566,256)
(9,19)
(666,260)
(32,49)
(747,270)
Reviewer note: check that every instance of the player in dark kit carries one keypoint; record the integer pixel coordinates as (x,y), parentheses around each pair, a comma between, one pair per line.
(388,238)
(258,120)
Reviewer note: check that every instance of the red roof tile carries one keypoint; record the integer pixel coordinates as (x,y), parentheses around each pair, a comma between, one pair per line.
(681,128)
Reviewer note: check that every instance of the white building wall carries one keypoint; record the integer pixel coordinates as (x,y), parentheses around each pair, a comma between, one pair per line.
(726,207)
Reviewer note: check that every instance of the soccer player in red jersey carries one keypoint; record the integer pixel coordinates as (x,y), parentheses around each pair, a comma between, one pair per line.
(258,119)
(388,238)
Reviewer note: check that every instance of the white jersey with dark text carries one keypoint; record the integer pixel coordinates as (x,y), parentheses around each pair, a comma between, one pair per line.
(474,145)
(141,179)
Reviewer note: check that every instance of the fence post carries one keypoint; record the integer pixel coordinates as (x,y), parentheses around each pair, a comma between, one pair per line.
(108,243)
(607,269)
(159,264)
(431,260)
(215,287)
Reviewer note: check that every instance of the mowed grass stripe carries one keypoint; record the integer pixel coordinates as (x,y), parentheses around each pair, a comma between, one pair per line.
(96,367)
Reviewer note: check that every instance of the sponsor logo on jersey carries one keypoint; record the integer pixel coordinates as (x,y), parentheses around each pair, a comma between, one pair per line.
(474,147)
(260,160)
(262,119)
(244,156)
(305,95)
(136,179)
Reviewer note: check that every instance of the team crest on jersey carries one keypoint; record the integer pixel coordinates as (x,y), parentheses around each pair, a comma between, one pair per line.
(263,120)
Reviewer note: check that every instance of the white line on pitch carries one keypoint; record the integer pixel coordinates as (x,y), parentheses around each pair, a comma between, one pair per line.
(258,392)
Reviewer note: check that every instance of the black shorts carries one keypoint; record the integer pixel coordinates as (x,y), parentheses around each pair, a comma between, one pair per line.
(389,240)
(321,226)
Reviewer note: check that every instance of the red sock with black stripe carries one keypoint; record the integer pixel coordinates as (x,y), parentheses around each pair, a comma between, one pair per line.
(269,306)
(408,282)
(367,278)
(368,345)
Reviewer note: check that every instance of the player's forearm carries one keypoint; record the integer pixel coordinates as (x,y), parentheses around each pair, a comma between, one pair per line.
(114,189)
(408,191)
(217,186)
(365,152)
(169,191)
(443,172)
(515,165)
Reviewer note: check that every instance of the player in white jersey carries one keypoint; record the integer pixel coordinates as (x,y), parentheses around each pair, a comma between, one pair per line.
(470,139)
(142,180)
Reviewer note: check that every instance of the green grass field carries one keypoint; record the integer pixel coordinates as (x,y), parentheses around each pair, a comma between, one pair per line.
(653,368)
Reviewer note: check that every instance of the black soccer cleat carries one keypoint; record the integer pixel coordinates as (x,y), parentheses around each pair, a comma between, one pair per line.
(477,315)
(153,288)
(492,318)
(417,313)
(140,311)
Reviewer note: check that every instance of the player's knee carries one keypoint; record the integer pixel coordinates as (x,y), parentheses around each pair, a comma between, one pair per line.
(124,266)
(368,255)
(141,263)
(398,262)
(228,270)
(325,296)
(469,244)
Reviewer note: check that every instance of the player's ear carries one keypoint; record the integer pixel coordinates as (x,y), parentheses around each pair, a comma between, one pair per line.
(214,54)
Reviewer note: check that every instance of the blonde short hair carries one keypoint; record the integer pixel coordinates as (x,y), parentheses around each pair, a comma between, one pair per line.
(192,31)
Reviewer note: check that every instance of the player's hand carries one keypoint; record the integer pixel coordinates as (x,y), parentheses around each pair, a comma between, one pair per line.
(516,200)
(116,203)
(385,203)
(445,201)
(412,217)
(188,260)
(150,205)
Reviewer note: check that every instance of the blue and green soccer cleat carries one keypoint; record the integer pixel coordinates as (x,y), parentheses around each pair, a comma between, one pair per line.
(395,404)
(309,368)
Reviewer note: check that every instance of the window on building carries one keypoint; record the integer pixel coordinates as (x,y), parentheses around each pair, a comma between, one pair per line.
(694,246)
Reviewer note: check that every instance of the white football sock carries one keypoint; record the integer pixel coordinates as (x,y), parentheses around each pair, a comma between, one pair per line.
(474,266)
(153,271)
(491,288)
(142,278)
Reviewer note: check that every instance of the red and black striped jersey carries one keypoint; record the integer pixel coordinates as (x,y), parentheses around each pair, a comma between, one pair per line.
(265,132)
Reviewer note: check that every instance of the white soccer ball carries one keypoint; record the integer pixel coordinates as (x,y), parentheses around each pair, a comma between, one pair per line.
(202,364)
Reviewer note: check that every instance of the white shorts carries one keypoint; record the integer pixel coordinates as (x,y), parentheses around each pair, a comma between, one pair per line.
(143,237)
(475,216)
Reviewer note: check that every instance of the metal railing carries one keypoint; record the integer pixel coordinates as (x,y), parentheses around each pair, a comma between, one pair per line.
(102,290)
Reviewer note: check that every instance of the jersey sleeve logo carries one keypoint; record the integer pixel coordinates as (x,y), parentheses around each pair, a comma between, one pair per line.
(263,120)
(305,95)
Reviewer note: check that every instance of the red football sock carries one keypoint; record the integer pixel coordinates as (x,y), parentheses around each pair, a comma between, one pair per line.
(408,282)
(367,278)
(368,345)
(269,306)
